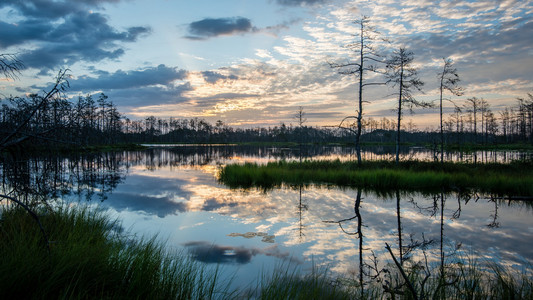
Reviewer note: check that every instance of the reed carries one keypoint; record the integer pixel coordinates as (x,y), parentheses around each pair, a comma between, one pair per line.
(89,258)
(288,283)
(515,179)
(465,278)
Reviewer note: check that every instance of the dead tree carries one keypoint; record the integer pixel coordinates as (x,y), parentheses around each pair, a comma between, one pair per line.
(367,60)
(448,81)
(17,136)
(402,75)
(10,66)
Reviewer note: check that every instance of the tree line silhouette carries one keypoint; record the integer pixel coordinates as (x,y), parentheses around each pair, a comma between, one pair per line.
(55,120)
(95,120)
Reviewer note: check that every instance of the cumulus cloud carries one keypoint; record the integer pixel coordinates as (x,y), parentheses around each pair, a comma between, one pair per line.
(213,77)
(63,34)
(160,75)
(151,96)
(24,31)
(212,27)
(51,9)
(153,85)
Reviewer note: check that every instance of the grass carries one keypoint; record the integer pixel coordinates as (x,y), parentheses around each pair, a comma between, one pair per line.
(514,179)
(89,259)
(469,147)
(464,278)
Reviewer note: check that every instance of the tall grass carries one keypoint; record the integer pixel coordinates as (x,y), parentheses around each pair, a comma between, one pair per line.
(288,283)
(89,259)
(463,279)
(514,179)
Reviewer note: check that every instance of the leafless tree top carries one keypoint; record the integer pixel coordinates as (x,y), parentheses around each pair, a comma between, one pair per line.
(10,65)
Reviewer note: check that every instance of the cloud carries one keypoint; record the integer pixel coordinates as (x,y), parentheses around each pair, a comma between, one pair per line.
(68,36)
(50,9)
(24,31)
(213,77)
(148,96)
(299,2)
(153,85)
(209,27)
(160,75)
(211,253)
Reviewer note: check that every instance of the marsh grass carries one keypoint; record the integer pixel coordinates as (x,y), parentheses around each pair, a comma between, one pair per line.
(465,278)
(89,259)
(288,283)
(515,179)
(468,279)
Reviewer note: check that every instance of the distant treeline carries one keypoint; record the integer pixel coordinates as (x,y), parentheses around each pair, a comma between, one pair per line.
(88,121)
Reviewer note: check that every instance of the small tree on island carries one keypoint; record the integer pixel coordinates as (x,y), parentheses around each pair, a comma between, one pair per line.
(448,81)
(300,119)
(402,75)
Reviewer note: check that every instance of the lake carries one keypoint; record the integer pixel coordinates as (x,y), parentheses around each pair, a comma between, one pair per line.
(173,192)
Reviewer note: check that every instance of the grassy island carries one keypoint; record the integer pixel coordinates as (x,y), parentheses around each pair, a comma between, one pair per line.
(513,179)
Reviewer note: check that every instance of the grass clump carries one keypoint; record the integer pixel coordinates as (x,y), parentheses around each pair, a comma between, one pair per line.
(515,179)
(88,258)
(289,283)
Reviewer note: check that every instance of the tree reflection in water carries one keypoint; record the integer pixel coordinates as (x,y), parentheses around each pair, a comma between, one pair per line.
(358,233)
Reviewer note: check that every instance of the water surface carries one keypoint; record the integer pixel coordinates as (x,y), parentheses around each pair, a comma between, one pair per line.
(174,192)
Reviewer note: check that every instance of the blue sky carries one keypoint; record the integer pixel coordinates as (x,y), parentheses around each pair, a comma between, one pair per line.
(254,62)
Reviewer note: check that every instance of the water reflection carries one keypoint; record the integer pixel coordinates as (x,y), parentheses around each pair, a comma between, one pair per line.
(174,192)
(209,253)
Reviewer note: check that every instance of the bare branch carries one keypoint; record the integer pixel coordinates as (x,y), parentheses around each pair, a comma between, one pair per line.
(10,65)
(402,272)
(61,84)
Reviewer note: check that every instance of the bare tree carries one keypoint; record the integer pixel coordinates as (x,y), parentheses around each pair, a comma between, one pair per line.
(368,57)
(301,119)
(17,136)
(10,65)
(473,105)
(402,75)
(448,80)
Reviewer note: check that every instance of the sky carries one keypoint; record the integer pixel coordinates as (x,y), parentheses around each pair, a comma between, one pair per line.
(252,63)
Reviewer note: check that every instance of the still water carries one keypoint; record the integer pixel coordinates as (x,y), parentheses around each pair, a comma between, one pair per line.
(173,192)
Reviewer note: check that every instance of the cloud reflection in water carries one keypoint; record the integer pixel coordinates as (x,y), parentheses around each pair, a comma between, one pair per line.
(211,253)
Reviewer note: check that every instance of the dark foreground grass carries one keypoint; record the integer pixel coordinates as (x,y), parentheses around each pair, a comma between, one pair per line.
(514,179)
(89,259)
